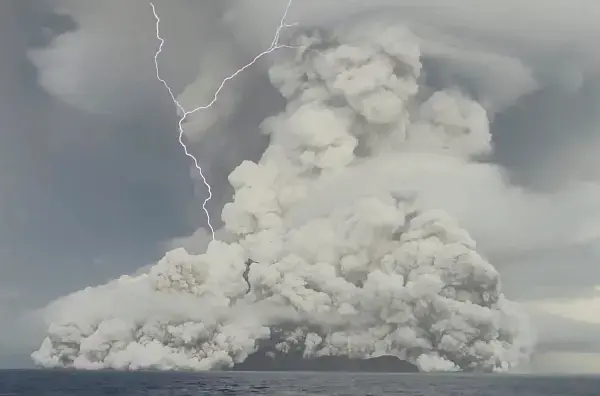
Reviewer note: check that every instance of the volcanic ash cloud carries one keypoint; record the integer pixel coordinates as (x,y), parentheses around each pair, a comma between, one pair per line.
(375,273)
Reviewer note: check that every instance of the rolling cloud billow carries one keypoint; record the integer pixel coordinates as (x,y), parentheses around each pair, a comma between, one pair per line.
(333,243)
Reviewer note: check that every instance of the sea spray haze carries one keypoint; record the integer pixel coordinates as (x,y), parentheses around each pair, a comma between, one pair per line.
(332,243)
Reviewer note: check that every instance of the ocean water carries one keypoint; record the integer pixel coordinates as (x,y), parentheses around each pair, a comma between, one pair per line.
(63,383)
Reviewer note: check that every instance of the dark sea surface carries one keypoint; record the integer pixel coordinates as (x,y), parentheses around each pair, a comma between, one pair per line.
(62,383)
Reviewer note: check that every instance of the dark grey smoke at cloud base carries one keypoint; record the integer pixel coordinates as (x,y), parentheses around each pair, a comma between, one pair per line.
(522,144)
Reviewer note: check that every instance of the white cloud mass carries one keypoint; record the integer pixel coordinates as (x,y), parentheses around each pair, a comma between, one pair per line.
(380,274)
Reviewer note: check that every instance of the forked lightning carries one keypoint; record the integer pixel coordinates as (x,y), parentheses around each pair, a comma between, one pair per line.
(274,46)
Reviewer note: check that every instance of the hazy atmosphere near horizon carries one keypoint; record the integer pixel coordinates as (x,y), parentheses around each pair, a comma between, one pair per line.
(414,178)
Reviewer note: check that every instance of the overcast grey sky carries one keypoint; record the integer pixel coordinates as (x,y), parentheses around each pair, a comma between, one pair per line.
(83,197)
(93,183)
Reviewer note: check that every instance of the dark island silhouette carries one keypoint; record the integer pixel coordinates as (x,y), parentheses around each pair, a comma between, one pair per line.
(259,361)
(294,361)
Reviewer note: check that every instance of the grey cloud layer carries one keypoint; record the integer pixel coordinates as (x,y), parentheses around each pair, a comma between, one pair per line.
(83,197)
(545,55)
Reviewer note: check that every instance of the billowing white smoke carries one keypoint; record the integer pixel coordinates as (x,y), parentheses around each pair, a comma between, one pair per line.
(378,274)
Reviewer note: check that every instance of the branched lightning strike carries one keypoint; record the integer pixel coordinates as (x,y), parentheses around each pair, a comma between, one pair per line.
(274,46)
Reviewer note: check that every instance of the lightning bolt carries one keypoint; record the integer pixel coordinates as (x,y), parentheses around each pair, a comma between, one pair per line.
(273,47)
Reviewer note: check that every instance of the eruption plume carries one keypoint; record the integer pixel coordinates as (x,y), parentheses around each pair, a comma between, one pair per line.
(366,269)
